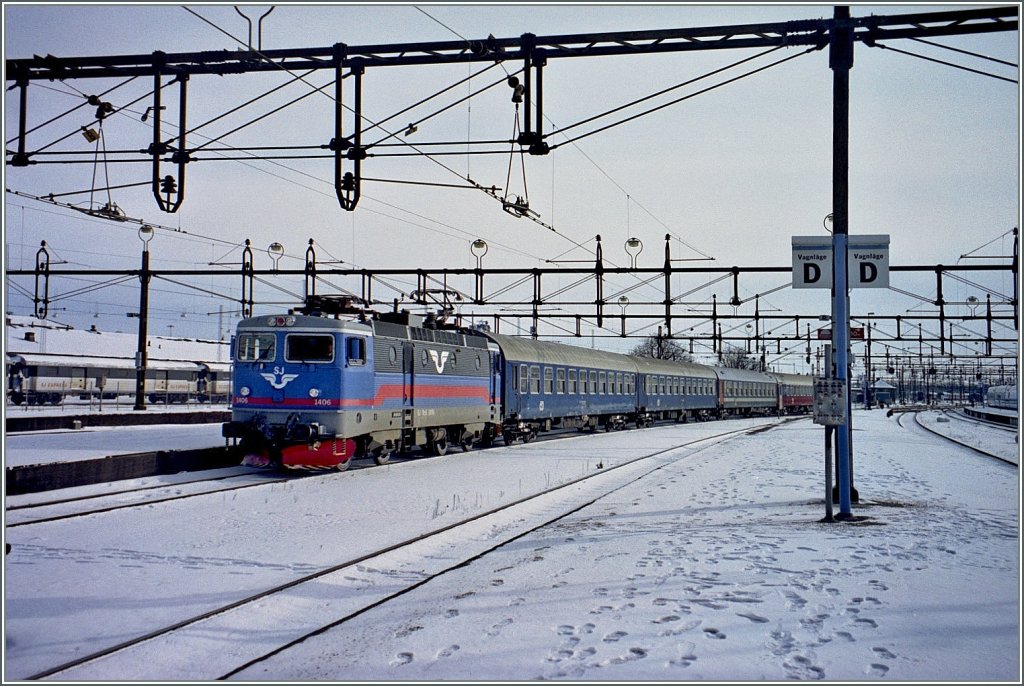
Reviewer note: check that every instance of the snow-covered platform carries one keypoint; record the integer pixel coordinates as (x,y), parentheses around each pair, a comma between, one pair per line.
(993,414)
(716,566)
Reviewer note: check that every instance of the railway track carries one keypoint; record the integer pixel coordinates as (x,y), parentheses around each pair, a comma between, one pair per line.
(38,511)
(924,427)
(40,507)
(320,601)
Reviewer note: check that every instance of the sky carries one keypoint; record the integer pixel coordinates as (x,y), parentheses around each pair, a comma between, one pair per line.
(704,563)
(731,174)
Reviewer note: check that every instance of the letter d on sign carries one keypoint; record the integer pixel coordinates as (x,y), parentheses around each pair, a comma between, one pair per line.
(868,272)
(812,273)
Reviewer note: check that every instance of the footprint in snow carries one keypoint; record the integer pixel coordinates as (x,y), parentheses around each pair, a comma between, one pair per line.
(614,636)
(402,659)
(449,651)
(757,619)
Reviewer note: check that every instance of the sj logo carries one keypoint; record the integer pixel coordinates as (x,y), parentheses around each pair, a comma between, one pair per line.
(440,359)
(278,379)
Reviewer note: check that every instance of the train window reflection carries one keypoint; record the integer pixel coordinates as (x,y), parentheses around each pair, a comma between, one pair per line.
(253,347)
(309,348)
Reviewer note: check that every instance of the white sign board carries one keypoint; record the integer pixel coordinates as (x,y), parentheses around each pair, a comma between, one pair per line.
(812,262)
(867,261)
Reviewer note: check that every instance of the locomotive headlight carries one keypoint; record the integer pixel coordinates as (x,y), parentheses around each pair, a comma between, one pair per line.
(314,393)
(244,391)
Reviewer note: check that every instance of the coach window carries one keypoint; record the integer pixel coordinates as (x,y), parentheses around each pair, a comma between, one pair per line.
(602,383)
(355,350)
(560,388)
(618,382)
(309,347)
(253,347)
(534,379)
(524,378)
(549,380)
(572,382)
(593,383)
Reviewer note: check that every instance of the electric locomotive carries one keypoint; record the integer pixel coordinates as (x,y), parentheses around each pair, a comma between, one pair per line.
(313,390)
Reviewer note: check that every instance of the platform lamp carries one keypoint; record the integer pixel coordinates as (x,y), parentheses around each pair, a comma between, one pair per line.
(145,235)
(634,246)
(478,248)
(276,251)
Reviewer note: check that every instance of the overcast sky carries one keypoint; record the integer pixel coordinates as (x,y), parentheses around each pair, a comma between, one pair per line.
(733,173)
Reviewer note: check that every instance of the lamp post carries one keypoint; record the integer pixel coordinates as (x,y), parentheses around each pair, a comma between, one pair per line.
(478,249)
(623,301)
(145,235)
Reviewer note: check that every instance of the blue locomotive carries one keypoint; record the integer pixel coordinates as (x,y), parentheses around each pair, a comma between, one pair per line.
(314,389)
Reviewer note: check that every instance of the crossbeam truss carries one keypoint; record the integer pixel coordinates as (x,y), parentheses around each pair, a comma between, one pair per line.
(532,51)
(501,298)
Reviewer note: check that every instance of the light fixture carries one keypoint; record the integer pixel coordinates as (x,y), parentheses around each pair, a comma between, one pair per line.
(634,246)
(146,234)
(828,222)
(91,135)
(276,251)
(411,130)
(478,248)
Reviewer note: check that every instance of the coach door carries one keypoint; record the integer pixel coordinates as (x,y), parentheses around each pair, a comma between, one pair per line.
(408,382)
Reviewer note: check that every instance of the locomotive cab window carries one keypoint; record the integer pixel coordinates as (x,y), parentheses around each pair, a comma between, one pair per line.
(355,350)
(309,348)
(255,347)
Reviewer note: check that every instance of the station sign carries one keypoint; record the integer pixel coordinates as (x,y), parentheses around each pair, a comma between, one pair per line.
(856,333)
(867,259)
(812,262)
(830,402)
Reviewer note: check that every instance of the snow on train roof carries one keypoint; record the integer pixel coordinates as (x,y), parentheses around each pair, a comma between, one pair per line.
(24,335)
(543,352)
(51,360)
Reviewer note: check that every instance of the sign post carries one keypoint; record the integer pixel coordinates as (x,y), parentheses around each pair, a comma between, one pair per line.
(840,263)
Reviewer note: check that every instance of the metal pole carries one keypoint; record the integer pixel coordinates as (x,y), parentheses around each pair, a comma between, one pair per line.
(840,61)
(140,355)
(828,475)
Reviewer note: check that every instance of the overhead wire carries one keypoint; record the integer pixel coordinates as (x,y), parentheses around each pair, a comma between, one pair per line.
(944,62)
(965,52)
(684,98)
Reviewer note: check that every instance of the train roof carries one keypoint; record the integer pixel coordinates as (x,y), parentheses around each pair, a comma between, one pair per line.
(278,322)
(518,349)
(732,374)
(650,365)
(786,377)
(88,361)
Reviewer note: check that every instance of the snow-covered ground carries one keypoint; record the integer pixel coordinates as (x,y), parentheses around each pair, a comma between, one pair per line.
(715,566)
(1003,443)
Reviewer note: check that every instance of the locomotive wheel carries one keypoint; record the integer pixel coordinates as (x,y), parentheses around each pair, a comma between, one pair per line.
(382,456)
(438,446)
(342,466)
